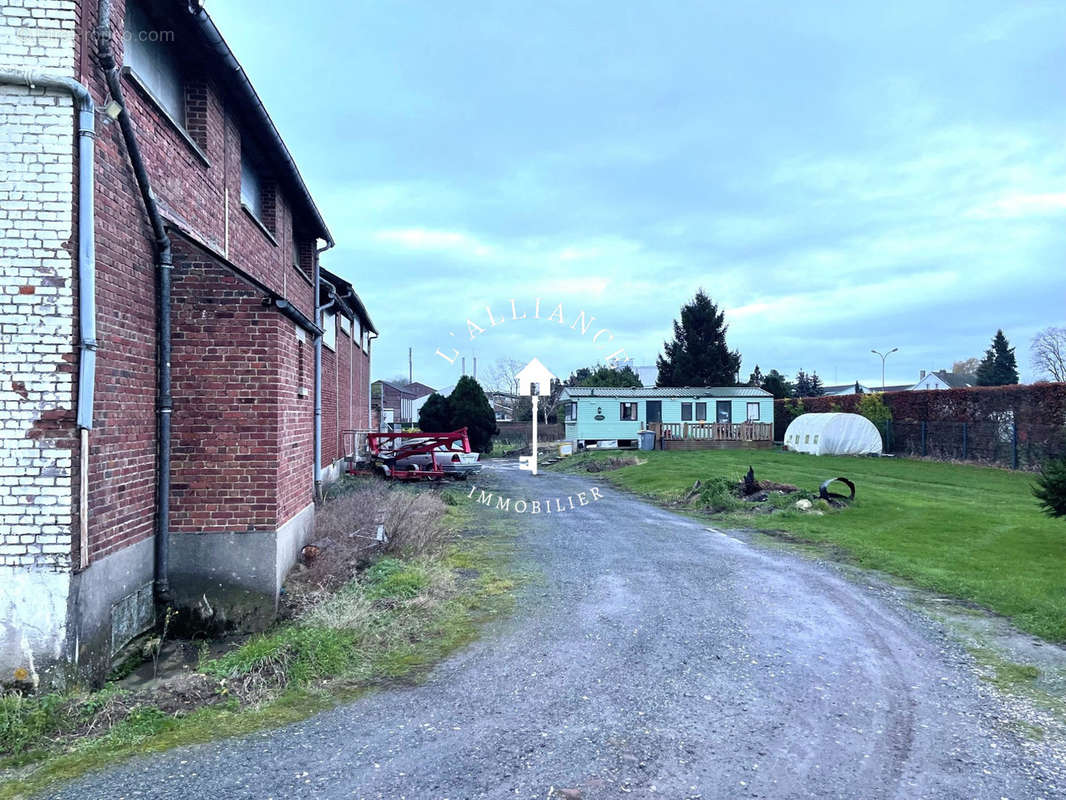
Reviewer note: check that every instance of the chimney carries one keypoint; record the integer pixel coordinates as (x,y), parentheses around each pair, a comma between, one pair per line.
(921,375)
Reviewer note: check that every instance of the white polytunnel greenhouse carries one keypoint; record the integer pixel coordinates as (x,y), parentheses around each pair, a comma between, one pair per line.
(834,434)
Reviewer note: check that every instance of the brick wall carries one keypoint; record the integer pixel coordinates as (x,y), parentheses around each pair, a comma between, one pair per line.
(38,238)
(196,179)
(297,413)
(343,411)
(225,420)
(329,404)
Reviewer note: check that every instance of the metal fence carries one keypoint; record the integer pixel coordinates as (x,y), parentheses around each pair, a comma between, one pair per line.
(1003,442)
(521,432)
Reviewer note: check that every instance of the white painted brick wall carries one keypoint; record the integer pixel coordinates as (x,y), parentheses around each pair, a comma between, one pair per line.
(37,337)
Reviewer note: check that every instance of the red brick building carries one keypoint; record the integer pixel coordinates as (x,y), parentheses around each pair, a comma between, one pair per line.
(247,313)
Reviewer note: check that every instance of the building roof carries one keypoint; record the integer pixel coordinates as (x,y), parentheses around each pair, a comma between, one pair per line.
(349,298)
(956,380)
(418,389)
(229,71)
(665,391)
(396,386)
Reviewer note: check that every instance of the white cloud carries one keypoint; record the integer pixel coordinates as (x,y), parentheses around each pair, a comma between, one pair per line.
(1022,205)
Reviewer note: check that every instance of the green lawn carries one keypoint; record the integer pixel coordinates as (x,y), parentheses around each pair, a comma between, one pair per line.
(974,533)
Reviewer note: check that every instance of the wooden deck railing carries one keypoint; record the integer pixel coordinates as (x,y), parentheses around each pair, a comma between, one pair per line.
(714,431)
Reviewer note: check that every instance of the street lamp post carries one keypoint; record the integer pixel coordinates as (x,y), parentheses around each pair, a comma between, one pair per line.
(883,357)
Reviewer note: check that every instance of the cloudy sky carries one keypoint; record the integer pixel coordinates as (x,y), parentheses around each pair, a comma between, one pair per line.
(837,176)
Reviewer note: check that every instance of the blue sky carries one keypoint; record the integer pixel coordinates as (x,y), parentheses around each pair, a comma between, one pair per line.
(838,177)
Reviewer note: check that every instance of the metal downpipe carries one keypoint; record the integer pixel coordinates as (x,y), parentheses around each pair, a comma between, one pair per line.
(318,387)
(164,269)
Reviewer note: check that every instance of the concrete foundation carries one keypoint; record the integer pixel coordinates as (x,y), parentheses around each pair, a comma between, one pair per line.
(231,581)
(111,603)
(33,625)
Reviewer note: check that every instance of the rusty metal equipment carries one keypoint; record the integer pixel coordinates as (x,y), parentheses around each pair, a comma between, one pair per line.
(386,450)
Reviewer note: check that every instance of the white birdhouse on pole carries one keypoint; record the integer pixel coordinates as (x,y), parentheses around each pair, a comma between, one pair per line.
(534,379)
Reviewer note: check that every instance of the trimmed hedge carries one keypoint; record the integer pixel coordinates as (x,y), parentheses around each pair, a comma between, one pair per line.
(1038,410)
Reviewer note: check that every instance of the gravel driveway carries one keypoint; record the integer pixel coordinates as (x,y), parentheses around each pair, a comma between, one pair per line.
(655,658)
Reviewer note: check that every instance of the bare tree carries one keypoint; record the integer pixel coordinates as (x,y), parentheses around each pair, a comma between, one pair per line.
(967,367)
(504,375)
(1049,353)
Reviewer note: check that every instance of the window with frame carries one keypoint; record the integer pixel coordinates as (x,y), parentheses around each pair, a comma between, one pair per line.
(686,412)
(329,330)
(346,326)
(627,411)
(701,412)
(151,54)
(251,185)
(571,412)
(753,412)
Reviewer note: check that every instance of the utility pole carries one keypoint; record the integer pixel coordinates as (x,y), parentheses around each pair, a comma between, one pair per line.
(410,367)
(884,356)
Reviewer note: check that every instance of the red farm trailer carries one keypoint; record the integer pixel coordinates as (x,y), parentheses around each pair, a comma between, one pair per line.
(417,456)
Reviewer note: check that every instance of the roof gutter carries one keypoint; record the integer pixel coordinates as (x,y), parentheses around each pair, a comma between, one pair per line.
(240,80)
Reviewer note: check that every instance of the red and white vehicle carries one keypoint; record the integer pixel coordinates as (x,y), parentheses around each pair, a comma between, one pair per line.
(419,456)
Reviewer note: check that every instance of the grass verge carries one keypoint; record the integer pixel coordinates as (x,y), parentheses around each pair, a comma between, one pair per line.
(970,532)
(389,624)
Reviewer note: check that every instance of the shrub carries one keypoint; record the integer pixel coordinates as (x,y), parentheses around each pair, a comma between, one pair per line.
(26,722)
(872,406)
(1050,487)
(717,495)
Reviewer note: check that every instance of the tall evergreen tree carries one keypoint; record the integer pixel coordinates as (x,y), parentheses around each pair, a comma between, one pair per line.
(817,387)
(698,354)
(471,410)
(777,385)
(999,366)
(802,387)
(435,416)
(756,378)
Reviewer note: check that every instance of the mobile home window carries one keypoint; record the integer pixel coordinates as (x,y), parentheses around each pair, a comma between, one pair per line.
(753,412)
(686,412)
(628,411)
(701,412)
(150,54)
(571,412)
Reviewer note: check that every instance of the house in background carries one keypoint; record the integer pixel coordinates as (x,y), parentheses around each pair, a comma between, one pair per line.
(942,379)
(683,418)
(103,518)
(393,406)
(421,393)
(504,405)
(848,388)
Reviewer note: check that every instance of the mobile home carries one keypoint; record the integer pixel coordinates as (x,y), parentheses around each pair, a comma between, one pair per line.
(681,417)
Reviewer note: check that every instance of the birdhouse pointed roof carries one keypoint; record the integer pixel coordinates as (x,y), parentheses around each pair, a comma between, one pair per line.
(535,370)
